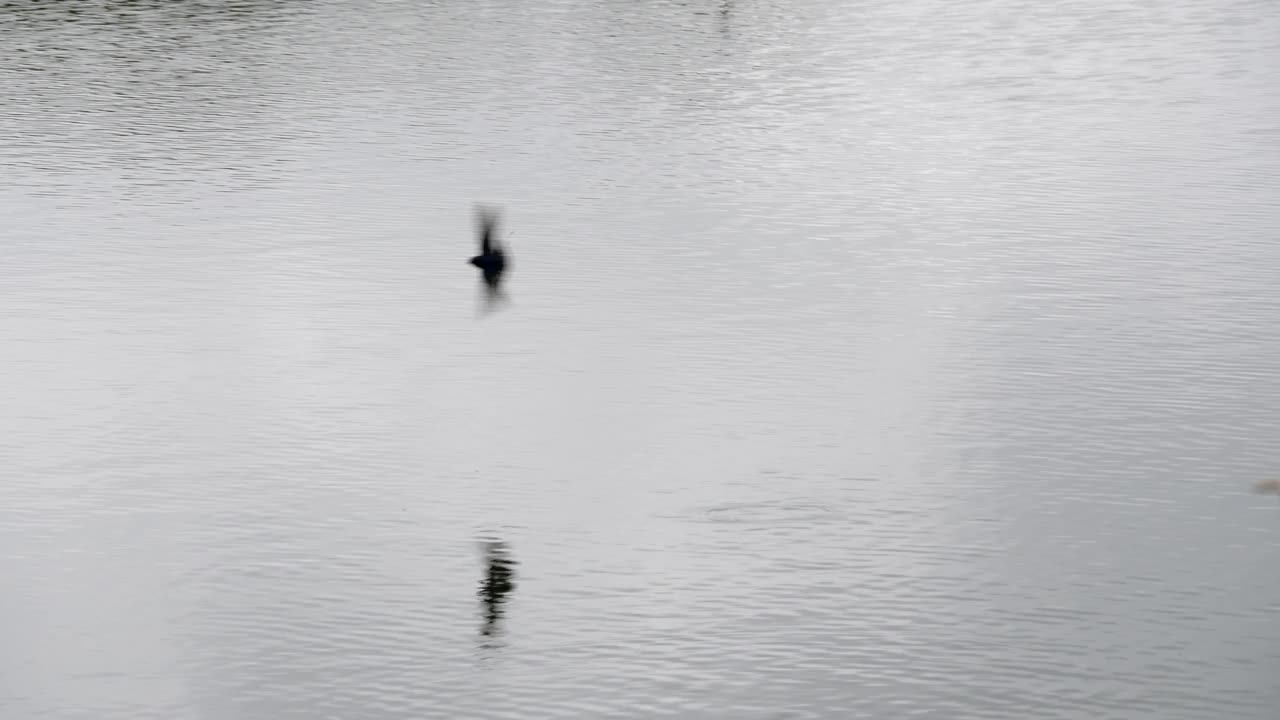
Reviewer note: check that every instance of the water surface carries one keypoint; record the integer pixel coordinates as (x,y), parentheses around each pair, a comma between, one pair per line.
(863,359)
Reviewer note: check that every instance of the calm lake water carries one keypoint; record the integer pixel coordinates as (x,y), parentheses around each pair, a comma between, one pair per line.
(864,359)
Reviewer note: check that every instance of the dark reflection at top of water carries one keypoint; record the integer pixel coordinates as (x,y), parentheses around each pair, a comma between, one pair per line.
(128,12)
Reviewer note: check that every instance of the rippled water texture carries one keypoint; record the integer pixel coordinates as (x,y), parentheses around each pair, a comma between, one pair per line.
(861,360)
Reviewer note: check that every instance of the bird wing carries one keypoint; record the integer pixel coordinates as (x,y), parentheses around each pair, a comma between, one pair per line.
(488,231)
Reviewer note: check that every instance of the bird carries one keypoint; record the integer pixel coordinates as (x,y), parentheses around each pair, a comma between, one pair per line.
(492,259)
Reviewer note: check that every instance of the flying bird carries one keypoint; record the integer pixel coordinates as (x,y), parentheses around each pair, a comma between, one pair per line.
(492,259)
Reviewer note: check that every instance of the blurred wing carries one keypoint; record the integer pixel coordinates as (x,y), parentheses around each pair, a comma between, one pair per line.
(488,231)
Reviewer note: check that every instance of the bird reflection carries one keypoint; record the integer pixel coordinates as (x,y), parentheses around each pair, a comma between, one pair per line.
(1267,487)
(498,582)
(724,21)
(492,260)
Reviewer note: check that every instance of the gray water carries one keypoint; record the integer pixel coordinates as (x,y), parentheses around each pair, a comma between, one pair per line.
(863,359)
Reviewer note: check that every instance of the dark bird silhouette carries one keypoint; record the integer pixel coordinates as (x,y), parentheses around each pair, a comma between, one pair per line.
(492,259)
